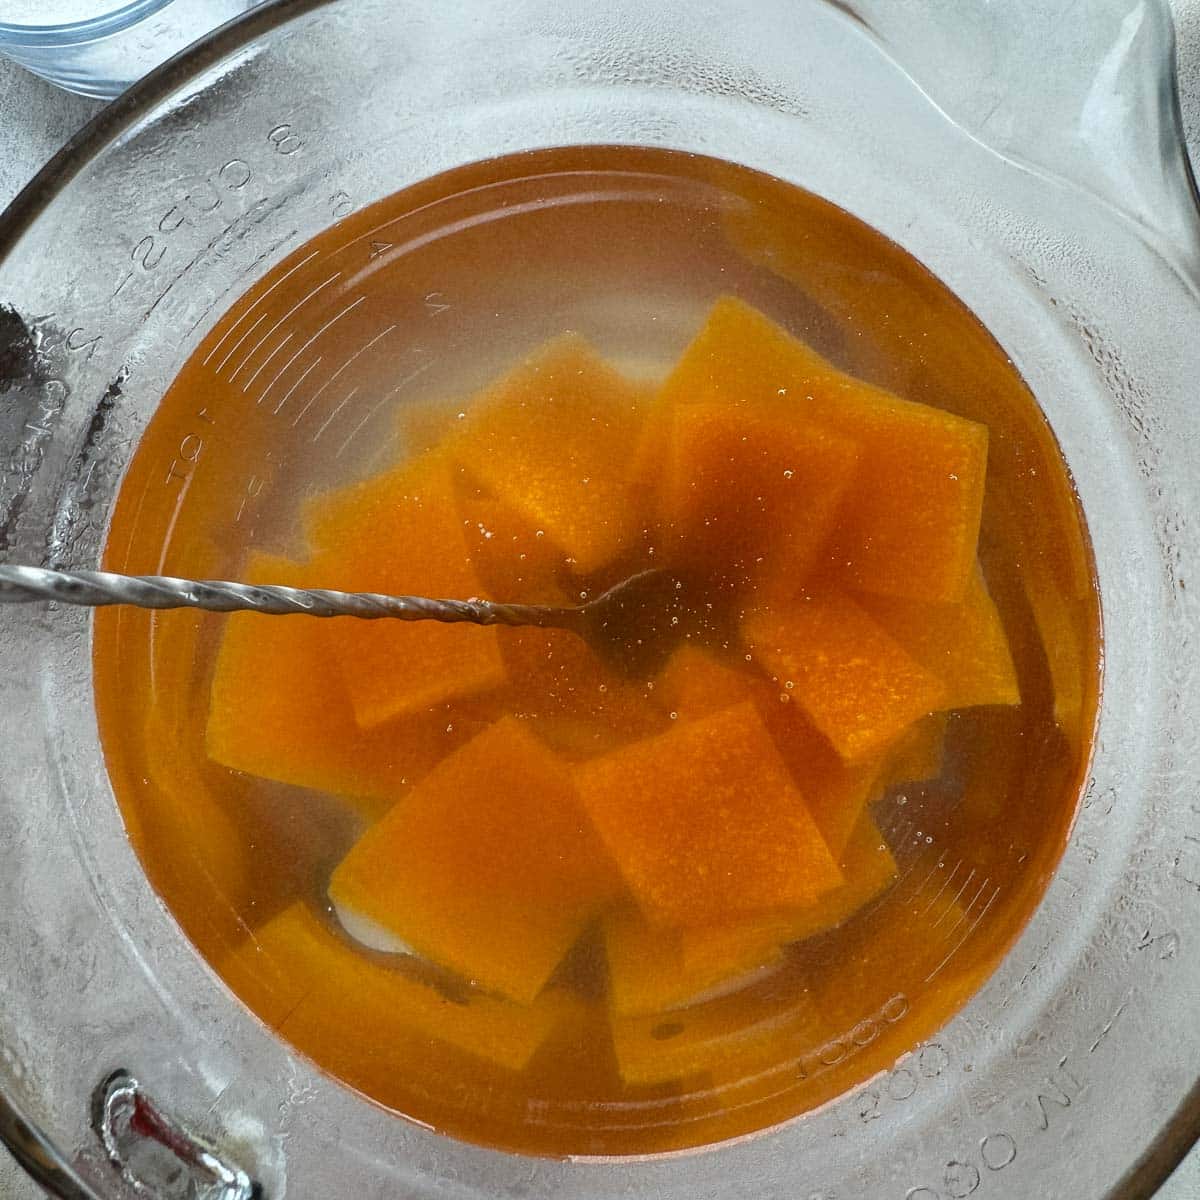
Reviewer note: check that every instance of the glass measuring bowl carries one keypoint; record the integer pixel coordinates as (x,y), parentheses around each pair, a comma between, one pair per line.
(1066,227)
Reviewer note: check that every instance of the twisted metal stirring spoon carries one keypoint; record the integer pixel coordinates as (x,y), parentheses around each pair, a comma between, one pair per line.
(629,618)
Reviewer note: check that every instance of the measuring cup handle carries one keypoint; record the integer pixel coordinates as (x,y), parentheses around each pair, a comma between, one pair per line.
(1083,97)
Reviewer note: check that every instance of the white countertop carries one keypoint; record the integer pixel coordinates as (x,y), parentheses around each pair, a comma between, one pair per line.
(36,119)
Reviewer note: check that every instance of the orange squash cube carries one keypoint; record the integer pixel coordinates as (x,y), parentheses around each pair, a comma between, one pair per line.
(911,527)
(648,971)
(323,994)
(742,358)
(400,533)
(488,867)
(861,689)
(910,524)
(869,869)
(835,792)
(918,756)
(751,494)
(503,548)
(705,822)
(424,423)
(963,644)
(552,440)
(301,730)
(696,683)
(1063,623)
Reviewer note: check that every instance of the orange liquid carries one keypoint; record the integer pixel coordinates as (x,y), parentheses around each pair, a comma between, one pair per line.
(392,320)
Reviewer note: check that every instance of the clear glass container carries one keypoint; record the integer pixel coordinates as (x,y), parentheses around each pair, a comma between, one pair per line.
(99,47)
(1030,157)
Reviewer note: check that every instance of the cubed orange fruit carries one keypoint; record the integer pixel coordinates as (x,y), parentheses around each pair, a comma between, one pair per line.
(648,971)
(319,991)
(400,533)
(1065,626)
(835,792)
(503,547)
(919,754)
(552,440)
(705,822)
(869,869)
(963,644)
(423,423)
(728,1038)
(909,525)
(301,730)
(696,682)
(861,689)
(488,867)
(749,494)
(740,357)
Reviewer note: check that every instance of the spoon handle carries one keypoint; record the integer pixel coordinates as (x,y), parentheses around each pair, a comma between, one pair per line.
(96,589)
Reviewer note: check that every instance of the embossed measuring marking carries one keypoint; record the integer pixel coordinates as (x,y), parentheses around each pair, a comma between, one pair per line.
(958,895)
(234,348)
(927,1062)
(816,1060)
(975,923)
(380,403)
(258,370)
(328,325)
(945,883)
(337,373)
(290,312)
(250,308)
(969,916)
(316,437)
(974,1166)
(298,381)
(254,215)
(218,185)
